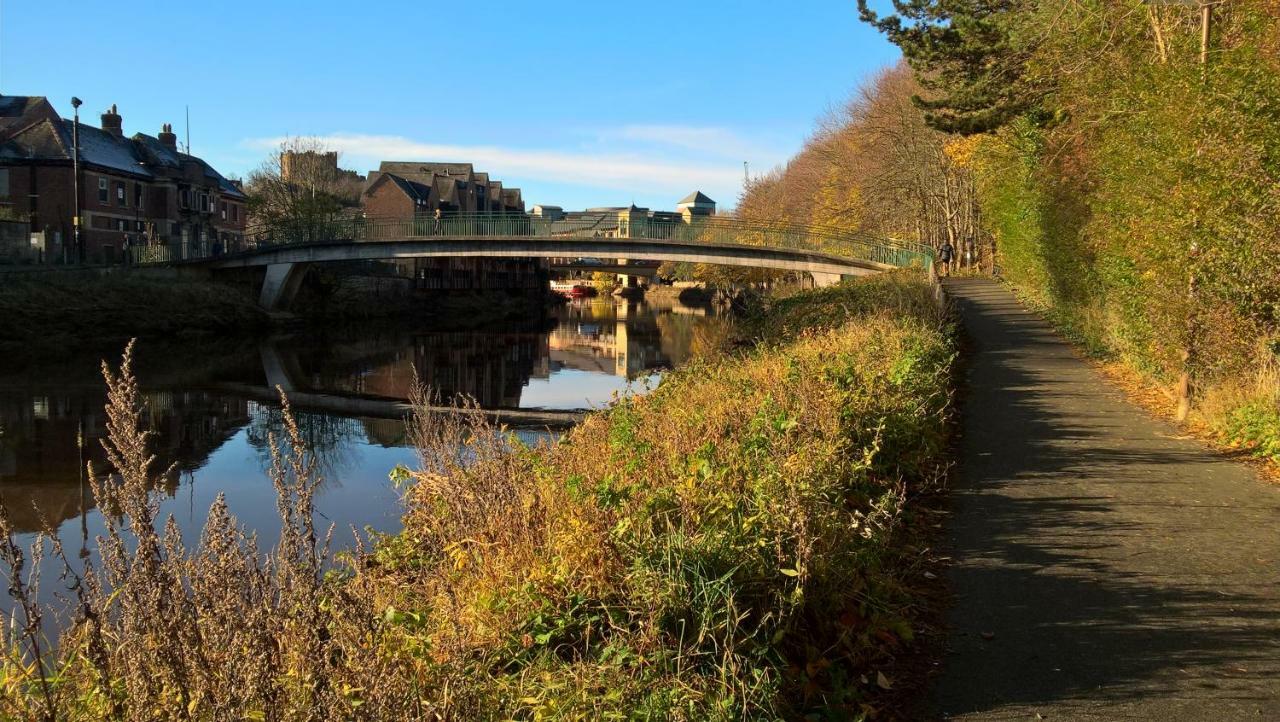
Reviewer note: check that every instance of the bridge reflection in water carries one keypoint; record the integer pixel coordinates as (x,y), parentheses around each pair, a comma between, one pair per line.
(217,437)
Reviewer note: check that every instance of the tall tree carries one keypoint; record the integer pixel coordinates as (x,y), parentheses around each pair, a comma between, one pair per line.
(300,187)
(970,55)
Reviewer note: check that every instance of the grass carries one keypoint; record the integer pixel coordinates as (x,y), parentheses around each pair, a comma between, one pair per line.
(1246,414)
(744,542)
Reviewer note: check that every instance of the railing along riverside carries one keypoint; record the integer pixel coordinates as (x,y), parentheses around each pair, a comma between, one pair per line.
(714,230)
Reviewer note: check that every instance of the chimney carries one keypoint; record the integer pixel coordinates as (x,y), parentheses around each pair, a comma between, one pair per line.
(112,123)
(167,137)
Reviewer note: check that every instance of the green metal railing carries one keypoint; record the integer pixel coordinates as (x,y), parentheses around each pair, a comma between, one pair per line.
(713,230)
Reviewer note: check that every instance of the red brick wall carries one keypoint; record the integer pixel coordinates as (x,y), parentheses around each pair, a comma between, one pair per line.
(387,201)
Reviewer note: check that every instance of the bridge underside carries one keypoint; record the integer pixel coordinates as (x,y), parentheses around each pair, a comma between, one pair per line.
(286,264)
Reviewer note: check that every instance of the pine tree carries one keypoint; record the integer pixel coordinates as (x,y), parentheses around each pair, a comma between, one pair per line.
(968,54)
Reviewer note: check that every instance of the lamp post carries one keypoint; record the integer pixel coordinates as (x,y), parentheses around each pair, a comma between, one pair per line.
(75,180)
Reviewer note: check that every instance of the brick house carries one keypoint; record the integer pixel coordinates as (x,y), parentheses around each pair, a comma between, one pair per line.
(138,190)
(400,189)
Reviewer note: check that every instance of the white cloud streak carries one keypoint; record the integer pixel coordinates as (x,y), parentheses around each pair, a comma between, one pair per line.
(624,171)
(710,141)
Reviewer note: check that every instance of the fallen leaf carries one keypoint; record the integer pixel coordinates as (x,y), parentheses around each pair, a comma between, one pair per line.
(883,681)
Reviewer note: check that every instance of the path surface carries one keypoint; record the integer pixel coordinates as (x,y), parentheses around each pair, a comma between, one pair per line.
(1105,569)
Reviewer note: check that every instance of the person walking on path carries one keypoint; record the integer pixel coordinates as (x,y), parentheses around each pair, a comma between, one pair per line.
(946,255)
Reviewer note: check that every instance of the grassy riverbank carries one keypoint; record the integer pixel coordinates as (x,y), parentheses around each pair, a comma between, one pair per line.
(42,317)
(745,542)
(57,312)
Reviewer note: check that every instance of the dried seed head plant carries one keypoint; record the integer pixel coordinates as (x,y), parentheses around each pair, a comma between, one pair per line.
(217,631)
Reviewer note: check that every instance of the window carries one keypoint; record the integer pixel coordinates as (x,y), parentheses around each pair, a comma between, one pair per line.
(184,198)
(223,208)
(137,195)
(204,202)
(235,213)
(103,198)
(120,199)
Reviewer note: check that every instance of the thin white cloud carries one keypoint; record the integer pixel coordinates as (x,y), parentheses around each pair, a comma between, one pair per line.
(705,140)
(623,171)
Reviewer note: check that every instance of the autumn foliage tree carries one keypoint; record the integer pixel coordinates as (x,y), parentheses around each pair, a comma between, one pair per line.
(1129,175)
(876,167)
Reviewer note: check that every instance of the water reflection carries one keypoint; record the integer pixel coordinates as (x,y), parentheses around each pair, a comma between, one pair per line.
(201,405)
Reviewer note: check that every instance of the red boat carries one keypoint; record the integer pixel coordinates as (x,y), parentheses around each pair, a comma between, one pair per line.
(572,289)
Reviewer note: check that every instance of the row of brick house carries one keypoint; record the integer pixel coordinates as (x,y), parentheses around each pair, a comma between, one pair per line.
(136,190)
(404,189)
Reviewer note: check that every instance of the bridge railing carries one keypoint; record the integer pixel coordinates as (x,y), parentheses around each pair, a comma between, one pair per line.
(713,230)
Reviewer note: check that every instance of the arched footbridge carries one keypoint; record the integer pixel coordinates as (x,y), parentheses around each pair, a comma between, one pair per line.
(825,253)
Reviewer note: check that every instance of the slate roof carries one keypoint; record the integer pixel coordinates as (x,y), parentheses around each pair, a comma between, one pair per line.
(38,141)
(18,110)
(49,138)
(695,197)
(411,169)
(447,188)
(157,153)
(100,148)
(416,191)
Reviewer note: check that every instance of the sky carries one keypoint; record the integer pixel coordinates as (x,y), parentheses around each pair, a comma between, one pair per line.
(577,103)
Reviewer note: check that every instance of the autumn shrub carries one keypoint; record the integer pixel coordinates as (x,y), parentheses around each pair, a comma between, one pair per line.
(1246,414)
(740,543)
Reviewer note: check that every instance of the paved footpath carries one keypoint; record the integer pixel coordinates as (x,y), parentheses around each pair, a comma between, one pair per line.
(1104,568)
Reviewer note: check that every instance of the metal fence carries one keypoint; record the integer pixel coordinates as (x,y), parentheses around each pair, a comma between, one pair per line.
(713,230)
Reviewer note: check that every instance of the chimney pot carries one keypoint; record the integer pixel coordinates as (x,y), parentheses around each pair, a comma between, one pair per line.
(112,122)
(167,137)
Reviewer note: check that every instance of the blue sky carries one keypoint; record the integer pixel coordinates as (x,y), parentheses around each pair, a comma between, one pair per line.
(577,103)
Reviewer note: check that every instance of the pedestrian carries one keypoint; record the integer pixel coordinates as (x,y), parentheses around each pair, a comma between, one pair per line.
(945,256)
(436,230)
(124,245)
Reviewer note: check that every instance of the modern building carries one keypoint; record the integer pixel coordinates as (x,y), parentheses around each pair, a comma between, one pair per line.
(138,190)
(624,221)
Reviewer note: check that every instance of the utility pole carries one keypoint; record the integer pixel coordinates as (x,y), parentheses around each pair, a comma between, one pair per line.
(75,181)
(746,174)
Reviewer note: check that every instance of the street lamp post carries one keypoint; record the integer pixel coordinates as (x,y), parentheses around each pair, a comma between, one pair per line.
(75,180)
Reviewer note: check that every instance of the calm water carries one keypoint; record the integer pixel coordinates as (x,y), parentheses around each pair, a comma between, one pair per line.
(201,404)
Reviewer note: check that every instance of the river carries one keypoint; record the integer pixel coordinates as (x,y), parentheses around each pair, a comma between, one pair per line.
(204,404)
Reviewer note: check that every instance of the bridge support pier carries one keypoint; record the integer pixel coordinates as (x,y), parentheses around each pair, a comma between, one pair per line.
(822,280)
(280,285)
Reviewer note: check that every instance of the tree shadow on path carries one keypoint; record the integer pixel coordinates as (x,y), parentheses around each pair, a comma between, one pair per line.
(1104,568)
